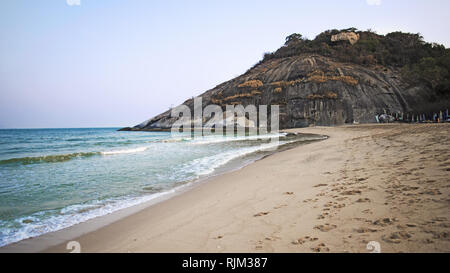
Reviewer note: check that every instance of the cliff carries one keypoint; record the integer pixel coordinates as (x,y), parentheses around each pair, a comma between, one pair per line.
(335,79)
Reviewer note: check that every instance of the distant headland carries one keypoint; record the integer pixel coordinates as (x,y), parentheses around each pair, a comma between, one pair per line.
(340,77)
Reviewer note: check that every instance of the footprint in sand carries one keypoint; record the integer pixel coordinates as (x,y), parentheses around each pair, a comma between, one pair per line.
(261,214)
(441,235)
(365,230)
(325,227)
(310,200)
(432,192)
(338,188)
(303,240)
(259,245)
(396,237)
(351,192)
(320,248)
(339,206)
(272,238)
(384,222)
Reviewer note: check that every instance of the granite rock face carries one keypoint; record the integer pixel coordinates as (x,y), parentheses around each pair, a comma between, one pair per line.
(346,36)
(313,90)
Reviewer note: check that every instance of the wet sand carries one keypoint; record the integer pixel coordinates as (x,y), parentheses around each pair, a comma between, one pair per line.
(383,183)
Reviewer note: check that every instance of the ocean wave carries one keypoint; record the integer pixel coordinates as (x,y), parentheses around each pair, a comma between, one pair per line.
(207,165)
(202,140)
(66,157)
(171,140)
(47,158)
(214,140)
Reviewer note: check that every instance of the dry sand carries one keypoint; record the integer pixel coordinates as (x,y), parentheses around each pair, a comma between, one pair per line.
(383,183)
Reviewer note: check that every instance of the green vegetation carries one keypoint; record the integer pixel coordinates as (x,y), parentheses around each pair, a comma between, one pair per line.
(419,61)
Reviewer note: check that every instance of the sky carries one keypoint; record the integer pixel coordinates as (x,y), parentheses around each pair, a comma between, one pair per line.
(114,63)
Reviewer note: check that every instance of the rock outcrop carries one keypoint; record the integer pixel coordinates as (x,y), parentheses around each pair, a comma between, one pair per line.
(346,36)
(315,89)
(312,89)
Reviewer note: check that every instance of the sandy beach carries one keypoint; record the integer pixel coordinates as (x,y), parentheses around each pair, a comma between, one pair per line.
(383,183)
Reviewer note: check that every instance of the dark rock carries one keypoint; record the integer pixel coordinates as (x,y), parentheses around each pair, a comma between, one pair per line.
(126,129)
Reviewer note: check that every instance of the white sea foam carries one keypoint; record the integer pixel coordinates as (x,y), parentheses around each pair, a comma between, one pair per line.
(206,165)
(215,139)
(212,139)
(72,215)
(125,151)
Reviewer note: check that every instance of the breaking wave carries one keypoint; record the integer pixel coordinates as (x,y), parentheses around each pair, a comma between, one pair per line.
(66,157)
(47,158)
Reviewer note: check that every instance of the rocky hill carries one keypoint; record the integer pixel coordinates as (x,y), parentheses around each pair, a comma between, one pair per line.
(342,76)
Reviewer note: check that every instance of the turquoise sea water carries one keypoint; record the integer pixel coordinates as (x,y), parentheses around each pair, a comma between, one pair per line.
(54,178)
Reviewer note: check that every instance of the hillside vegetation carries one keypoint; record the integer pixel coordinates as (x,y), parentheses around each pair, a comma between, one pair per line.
(419,61)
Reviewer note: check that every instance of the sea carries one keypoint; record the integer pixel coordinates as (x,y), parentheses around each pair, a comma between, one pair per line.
(51,179)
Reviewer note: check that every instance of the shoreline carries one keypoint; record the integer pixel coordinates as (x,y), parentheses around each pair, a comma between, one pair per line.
(385,183)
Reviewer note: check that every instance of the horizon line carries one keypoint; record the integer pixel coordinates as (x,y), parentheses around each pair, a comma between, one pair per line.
(34,128)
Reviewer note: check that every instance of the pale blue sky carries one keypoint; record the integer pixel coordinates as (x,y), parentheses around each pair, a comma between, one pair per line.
(119,62)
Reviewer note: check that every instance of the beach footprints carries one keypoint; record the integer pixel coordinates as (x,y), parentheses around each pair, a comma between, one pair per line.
(365,230)
(334,205)
(310,200)
(277,207)
(259,214)
(351,192)
(320,248)
(302,240)
(384,222)
(280,206)
(396,237)
(325,227)
(322,216)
